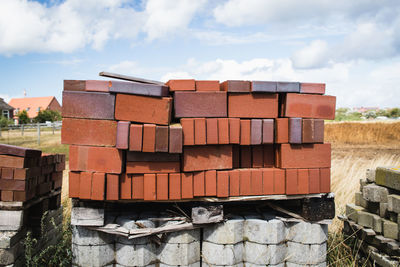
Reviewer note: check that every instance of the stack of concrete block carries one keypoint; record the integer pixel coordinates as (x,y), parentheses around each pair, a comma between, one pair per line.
(375,216)
(241,240)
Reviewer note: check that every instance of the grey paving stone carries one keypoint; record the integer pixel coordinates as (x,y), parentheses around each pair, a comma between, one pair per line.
(352,211)
(263,231)
(83,236)
(264,254)
(390,229)
(375,193)
(307,233)
(305,254)
(229,232)
(96,256)
(216,254)
(179,254)
(394,203)
(135,255)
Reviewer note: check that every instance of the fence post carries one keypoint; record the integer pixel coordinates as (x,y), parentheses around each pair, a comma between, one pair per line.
(53,127)
(22,130)
(38,133)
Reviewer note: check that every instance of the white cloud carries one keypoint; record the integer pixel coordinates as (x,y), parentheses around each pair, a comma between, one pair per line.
(313,56)
(126,67)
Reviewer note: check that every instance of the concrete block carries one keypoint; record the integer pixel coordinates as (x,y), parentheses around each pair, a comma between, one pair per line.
(383,209)
(307,233)
(390,229)
(229,232)
(290,264)
(352,211)
(96,256)
(83,236)
(305,254)
(11,220)
(359,200)
(365,219)
(388,177)
(87,216)
(181,237)
(233,265)
(222,254)
(375,193)
(264,254)
(9,238)
(363,182)
(120,265)
(135,255)
(394,203)
(10,255)
(196,264)
(179,254)
(377,224)
(383,260)
(249,264)
(370,175)
(263,231)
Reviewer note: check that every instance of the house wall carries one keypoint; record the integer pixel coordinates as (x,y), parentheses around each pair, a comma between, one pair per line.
(54,105)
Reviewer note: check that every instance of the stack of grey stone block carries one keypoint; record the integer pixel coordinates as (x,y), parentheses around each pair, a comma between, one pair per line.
(377,209)
(241,240)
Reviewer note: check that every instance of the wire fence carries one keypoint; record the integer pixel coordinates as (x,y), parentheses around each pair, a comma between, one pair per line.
(34,130)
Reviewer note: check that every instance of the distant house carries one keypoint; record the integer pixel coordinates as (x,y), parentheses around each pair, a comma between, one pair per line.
(33,105)
(5,109)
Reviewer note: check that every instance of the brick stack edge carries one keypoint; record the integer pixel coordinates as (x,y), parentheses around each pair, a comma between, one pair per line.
(190,139)
(27,173)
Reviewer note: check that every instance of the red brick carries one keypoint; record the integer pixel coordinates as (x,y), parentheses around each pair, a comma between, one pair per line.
(161,138)
(210,178)
(223,131)
(96,159)
(295,130)
(257,156)
(74,85)
(253,105)
(234,130)
(133,156)
(152,167)
(88,132)
(207,85)
(308,131)
(135,137)
(304,156)
(325,180)
(7,173)
(181,85)
(269,156)
(198,184)
(7,195)
(207,157)
(187,185)
(268,181)
(314,187)
(212,131)
(88,105)
(144,109)
(123,134)
(267,131)
(137,186)
(74,184)
(14,162)
(188,131)
(200,131)
(245,182)
(112,189)
(98,186)
(175,138)
(149,182)
(13,185)
(235,157)
(312,88)
(310,106)
(19,151)
(279,182)
(138,88)
(200,104)
(97,86)
(126,186)
(245,132)
(291,182)
(175,186)
(235,86)
(256,182)
(149,138)
(222,184)
(303,181)
(245,157)
(234,182)
(256,132)
(319,131)
(21,196)
(85,185)
(281,130)
(162,186)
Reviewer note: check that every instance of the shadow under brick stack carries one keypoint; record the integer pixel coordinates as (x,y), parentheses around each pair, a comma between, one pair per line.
(30,193)
(251,143)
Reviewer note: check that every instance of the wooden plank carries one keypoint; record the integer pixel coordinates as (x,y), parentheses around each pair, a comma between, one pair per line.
(207,214)
(128,78)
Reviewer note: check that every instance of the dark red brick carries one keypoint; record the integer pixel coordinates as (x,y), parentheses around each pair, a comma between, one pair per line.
(19,151)
(135,137)
(14,162)
(310,106)
(235,86)
(267,131)
(175,138)
(257,156)
(256,132)
(7,196)
(123,134)
(97,86)
(162,138)
(269,156)
(295,130)
(319,131)
(136,88)
(245,157)
(7,173)
(74,85)
(200,104)
(252,105)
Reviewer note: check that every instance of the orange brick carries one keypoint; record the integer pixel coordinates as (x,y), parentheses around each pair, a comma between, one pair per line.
(268,181)
(7,196)
(281,130)
(325,180)
(149,183)
(257,156)
(222,184)
(149,138)
(304,156)
(212,131)
(211,183)
(223,131)
(199,158)
(245,135)
(303,181)
(234,130)
(291,182)
(314,181)
(188,131)
(175,186)
(112,188)
(74,184)
(256,182)
(162,186)
(245,182)
(279,182)
(245,105)
(187,185)
(7,173)
(137,186)
(312,88)
(126,186)
(207,85)
(98,186)
(85,185)
(200,131)
(152,167)
(181,85)
(198,184)
(135,137)
(234,182)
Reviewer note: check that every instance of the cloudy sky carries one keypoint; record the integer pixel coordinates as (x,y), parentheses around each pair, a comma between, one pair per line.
(352,46)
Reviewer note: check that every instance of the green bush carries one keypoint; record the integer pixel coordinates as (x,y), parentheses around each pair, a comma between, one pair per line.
(4,122)
(23,117)
(47,115)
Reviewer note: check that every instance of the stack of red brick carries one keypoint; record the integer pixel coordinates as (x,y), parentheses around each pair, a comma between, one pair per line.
(189,139)
(27,173)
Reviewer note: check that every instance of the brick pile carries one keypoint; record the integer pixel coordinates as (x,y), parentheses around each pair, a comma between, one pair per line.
(189,139)
(373,222)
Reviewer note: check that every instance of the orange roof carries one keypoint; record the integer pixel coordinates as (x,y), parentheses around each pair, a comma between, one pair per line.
(31,104)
